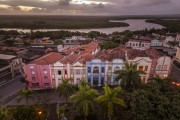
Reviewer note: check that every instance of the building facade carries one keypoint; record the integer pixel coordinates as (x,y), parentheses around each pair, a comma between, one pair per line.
(10,66)
(143,64)
(139,44)
(95,72)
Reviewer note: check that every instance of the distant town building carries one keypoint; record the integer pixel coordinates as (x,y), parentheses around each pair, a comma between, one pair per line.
(139,44)
(10,66)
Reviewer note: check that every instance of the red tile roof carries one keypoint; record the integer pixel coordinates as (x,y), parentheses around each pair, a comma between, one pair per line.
(47,59)
(119,53)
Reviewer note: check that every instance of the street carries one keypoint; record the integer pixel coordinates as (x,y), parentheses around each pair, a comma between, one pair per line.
(10,88)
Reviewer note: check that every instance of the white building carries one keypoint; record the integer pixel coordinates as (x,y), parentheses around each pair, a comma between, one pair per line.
(139,44)
(143,64)
(163,66)
(169,39)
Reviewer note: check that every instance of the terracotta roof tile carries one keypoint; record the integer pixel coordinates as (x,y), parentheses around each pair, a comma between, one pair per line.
(47,59)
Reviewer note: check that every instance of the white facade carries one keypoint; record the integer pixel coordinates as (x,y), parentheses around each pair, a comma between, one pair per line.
(163,66)
(178,37)
(169,39)
(77,72)
(156,43)
(59,71)
(143,64)
(115,65)
(138,44)
(74,72)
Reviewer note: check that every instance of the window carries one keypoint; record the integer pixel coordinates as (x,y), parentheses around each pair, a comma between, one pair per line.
(46,85)
(96,70)
(65,72)
(89,69)
(146,68)
(116,68)
(35,85)
(45,71)
(165,67)
(89,79)
(102,70)
(59,72)
(109,68)
(142,45)
(140,68)
(144,78)
(33,72)
(78,71)
(159,67)
(45,77)
(136,44)
(33,78)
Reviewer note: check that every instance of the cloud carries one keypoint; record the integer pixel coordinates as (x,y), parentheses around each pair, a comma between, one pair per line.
(91,7)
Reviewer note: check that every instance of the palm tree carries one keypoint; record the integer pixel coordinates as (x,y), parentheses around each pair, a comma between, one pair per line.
(25,94)
(84,84)
(109,100)
(130,77)
(65,89)
(83,100)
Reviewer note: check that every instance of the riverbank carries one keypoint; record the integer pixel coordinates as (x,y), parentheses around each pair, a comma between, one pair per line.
(134,25)
(173,25)
(59,22)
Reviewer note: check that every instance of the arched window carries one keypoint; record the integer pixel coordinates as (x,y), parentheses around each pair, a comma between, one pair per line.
(116,68)
(96,70)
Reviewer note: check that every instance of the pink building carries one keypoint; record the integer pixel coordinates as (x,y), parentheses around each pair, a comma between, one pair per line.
(38,72)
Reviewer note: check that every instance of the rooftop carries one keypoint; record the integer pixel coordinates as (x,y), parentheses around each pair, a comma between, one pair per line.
(119,53)
(47,59)
(6,57)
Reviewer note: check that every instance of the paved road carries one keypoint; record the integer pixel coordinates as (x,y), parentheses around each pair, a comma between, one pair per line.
(11,87)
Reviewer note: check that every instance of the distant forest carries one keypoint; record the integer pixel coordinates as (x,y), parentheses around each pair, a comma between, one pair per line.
(172,25)
(59,22)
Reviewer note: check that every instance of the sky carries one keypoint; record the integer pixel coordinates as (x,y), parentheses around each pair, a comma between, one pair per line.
(89,7)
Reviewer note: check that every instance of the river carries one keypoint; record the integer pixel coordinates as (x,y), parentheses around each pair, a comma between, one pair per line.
(134,24)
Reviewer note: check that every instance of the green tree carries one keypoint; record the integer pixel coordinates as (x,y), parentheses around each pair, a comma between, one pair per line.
(25,94)
(109,100)
(58,42)
(152,105)
(83,100)
(5,115)
(108,45)
(84,84)
(25,113)
(130,77)
(61,112)
(163,83)
(65,89)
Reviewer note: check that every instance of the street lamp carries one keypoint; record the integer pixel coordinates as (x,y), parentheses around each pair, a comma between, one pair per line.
(39,114)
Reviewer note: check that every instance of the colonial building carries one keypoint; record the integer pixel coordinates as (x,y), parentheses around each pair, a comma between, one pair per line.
(139,44)
(39,74)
